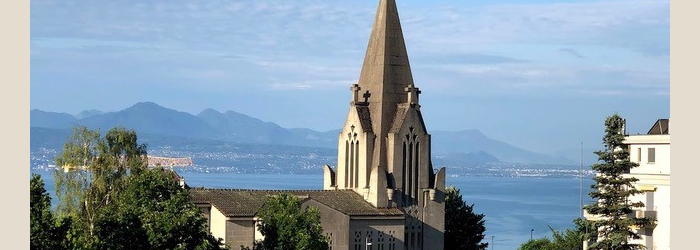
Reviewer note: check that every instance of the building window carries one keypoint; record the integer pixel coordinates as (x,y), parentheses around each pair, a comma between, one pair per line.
(352,164)
(358,240)
(347,163)
(330,240)
(416,173)
(357,164)
(639,155)
(404,172)
(380,240)
(369,240)
(392,240)
(651,155)
(409,178)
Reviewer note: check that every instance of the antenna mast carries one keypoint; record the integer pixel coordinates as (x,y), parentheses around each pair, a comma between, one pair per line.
(580,177)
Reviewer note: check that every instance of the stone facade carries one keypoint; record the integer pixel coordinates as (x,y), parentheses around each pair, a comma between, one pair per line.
(384,146)
(384,193)
(345,215)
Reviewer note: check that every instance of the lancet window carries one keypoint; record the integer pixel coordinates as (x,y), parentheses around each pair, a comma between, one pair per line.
(410,166)
(352,159)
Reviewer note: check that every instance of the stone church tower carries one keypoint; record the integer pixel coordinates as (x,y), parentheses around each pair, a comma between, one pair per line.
(384,146)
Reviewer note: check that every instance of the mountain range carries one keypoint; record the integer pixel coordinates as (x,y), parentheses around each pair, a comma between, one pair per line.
(163,123)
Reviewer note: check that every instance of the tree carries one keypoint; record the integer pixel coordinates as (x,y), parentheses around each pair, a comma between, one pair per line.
(111,200)
(153,212)
(537,244)
(464,229)
(44,234)
(97,170)
(612,191)
(586,229)
(79,152)
(569,239)
(286,226)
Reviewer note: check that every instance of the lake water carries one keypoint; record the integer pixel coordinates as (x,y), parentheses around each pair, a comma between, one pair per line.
(513,206)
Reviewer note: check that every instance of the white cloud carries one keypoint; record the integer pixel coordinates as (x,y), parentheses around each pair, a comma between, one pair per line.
(621,24)
(277,84)
(326,40)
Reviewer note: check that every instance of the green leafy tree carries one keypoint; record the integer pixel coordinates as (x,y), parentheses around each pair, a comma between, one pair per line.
(79,152)
(612,191)
(97,172)
(287,227)
(569,239)
(537,244)
(464,229)
(111,200)
(153,212)
(44,233)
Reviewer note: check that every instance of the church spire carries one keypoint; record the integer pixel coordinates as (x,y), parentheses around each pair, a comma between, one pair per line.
(385,72)
(386,68)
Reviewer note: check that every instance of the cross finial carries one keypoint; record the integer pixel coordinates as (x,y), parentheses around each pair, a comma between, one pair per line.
(366,95)
(355,90)
(413,93)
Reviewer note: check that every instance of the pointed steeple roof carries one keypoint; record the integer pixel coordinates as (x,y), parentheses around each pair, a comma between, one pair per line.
(386,69)
(385,74)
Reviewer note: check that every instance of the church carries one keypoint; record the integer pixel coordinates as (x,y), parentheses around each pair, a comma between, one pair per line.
(383,192)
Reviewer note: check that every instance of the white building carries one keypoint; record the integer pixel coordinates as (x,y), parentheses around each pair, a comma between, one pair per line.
(652,151)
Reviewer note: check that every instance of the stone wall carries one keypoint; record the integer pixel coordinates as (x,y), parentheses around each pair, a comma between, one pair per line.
(240,232)
(381,232)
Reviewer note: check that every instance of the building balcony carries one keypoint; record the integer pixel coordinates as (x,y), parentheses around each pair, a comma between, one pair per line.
(650,214)
(644,214)
(592,217)
(636,214)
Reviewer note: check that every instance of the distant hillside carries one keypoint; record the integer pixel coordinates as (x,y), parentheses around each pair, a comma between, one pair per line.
(207,154)
(474,141)
(38,118)
(87,113)
(464,159)
(235,126)
(51,138)
(151,119)
(55,138)
(148,117)
(574,154)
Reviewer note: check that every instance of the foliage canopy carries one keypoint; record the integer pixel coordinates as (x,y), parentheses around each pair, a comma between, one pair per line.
(287,226)
(464,229)
(612,190)
(109,199)
(45,233)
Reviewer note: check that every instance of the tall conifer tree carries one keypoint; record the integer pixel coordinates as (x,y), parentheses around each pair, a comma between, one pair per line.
(612,190)
(464,229)
(44,234)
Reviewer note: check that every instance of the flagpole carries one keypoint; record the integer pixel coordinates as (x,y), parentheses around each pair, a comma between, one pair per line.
(580,175)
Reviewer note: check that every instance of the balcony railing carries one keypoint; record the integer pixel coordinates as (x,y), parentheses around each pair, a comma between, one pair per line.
(644,214)
(636,214)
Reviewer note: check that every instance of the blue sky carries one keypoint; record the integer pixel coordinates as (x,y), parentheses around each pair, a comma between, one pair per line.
(542,75)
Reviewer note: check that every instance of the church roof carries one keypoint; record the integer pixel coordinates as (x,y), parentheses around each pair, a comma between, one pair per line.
(401,110)
(365,118)
(386,71)
(659,128)
(245,202)
(386,59)
(401,113)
